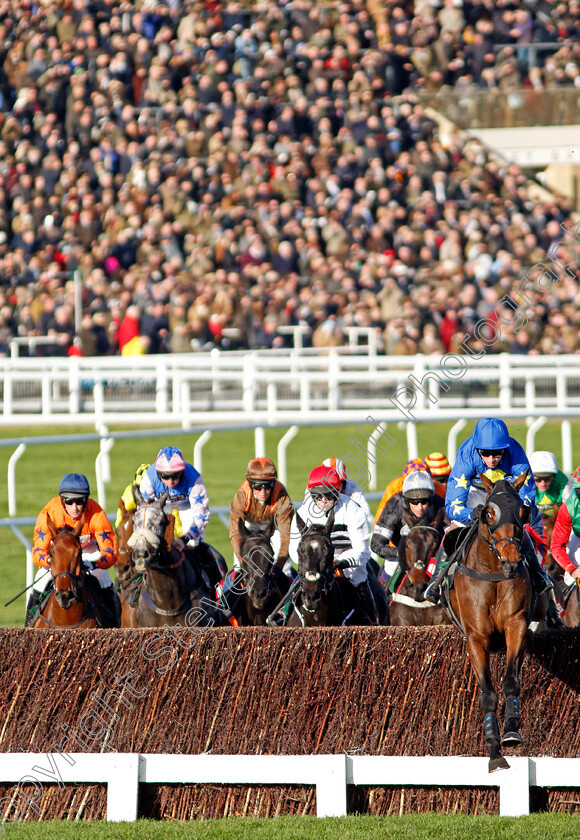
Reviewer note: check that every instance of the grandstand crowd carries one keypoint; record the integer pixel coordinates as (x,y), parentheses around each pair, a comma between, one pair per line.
(214,171)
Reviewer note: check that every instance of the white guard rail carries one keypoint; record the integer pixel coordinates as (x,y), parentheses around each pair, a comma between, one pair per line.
(124,772)
(277,387)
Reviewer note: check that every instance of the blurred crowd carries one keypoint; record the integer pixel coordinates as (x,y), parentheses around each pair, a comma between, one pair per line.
(215,172)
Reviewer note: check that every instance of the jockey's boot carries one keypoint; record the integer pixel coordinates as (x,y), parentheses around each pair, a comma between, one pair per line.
(366,602)
(34,600)
(540,579)
(432,592)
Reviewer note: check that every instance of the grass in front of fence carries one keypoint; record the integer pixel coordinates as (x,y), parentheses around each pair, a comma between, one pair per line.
(225,456)
(414,827)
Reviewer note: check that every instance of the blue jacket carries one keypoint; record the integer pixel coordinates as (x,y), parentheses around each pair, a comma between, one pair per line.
(464,475)
(190,494)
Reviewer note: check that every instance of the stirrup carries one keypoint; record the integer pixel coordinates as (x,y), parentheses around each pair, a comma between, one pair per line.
(432,593)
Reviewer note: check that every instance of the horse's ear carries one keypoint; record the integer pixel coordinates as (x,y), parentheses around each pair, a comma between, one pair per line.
(163,498)
(302,526)
(51,526)
(488,485)
(169,534)
(330,522)
(518,482)
(525,514)
(122,507)
(242,531)
(139,500)
(402,554)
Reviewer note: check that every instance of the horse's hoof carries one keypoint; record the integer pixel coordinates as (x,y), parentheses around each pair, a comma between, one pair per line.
(498,764)
(511,739)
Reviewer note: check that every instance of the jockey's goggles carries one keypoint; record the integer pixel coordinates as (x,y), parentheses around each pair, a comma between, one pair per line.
(421,500)
(548,478)
(174,476)
(486,453)
(74,500)
(261,485)
(329,495)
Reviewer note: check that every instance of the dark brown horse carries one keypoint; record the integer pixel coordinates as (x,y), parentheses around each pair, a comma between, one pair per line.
(417,549)
(263,589)
(492,599)
(124,568)
(71,604)
(173,591)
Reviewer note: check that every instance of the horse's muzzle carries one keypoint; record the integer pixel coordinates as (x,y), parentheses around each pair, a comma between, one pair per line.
(141,562)
(66,599)
(511,569)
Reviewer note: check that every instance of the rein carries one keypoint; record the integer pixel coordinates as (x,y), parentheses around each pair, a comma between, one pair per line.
(494,577)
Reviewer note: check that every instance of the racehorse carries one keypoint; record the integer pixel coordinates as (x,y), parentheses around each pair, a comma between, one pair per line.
(550,565)
(492,599)
(262,590)
(173,591)
(124,568)
(417,548)
(71,603)
(324,598)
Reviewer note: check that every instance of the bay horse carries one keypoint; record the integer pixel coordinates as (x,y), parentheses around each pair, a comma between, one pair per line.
(173,591)
(71,604)
(124,568)
(262,590)
(493,601)
(417,549)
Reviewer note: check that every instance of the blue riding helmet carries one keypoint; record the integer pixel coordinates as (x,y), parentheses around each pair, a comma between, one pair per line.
(490,433)
(74,483)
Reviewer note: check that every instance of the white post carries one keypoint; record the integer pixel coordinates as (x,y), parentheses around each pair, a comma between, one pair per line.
(105,447)
(281,452)
(412,447)
(123,788)
(514,788)
(74,387)
(504,382)
(161,388)
(45,395)
(248,384)
(102,470)
(566,431)
(531,433)
(331,786)
(198,451)
(271,400)
(259,442)
(372,454)
(14,458)
(452,439)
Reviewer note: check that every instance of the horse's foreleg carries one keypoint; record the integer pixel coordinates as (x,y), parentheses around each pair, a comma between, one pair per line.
(515,638)
(478,650)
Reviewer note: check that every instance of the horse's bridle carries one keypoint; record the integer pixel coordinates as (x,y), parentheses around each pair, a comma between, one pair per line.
(420,564)
(493,543)
(76,580)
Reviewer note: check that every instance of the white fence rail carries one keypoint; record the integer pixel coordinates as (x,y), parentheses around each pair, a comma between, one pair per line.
(123,773)
(277,387)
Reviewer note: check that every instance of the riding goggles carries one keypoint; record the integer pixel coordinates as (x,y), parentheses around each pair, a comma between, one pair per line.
(175,476)
(422,500)
(548,478)
(329,495)
(261,485)
(486,453)
(74,500)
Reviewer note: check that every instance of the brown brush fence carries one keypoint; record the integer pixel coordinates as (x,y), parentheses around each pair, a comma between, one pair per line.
(360,691)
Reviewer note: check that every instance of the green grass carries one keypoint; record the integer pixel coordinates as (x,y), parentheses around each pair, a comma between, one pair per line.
(224,460)
(416,827)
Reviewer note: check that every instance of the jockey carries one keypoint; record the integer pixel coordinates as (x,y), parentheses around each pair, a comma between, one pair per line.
(396,485)
(552,486)
(350,532)
(491,451)
(127,496)
(348,487)
(187,495)
(439,467)
(262,498)
(419,499)
(99,545)
(566,533)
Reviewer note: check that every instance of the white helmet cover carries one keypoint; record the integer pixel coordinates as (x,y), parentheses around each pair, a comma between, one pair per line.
(543,462)
(418,484)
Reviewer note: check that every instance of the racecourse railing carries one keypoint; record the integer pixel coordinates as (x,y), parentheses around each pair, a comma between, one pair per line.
(124,773)
(216,387)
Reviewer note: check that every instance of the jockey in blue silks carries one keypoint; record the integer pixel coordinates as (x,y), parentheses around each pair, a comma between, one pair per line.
(187,493)
(492,452)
